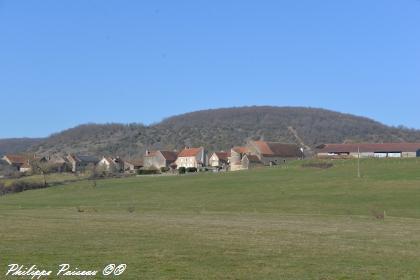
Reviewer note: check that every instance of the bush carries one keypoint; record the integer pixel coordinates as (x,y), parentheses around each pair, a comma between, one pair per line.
(147,172)
(15,175)
(321,165)
(8,170)
(182,170)
(191,169)
(164,169)
(20,186)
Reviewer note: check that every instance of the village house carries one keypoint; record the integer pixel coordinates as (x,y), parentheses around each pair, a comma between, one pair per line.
(58,163)
(273,153)
(21,163)
(79,163)
(236,156)
(241,159)
(132,165)
(219,160)
(367,150)
(260,153)
(159,159)
(191,158)
(251,161)
(111,164)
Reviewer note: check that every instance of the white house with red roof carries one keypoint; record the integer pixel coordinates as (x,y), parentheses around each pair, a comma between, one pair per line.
(191,157)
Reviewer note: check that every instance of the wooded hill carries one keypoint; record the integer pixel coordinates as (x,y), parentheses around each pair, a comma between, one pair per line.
(219,129)
(17,145)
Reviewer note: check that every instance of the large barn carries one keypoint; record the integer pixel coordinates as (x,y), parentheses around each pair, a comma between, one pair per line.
(368,150)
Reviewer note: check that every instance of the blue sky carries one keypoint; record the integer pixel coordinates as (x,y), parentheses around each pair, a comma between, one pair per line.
(68,62)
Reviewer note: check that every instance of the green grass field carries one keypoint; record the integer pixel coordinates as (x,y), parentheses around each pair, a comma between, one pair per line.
(273,223)
(52,179)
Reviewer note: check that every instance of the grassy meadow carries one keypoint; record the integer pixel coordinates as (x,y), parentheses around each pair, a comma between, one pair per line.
(285,222)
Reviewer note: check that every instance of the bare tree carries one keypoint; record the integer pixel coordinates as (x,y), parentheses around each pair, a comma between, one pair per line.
(42,168)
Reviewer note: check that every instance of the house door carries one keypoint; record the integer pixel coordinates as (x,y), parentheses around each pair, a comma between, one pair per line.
(418,153)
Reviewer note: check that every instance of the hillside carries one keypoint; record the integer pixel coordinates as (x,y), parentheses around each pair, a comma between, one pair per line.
(17,145)
(222,128)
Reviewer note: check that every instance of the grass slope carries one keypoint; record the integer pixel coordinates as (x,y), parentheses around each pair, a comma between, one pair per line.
(274,223)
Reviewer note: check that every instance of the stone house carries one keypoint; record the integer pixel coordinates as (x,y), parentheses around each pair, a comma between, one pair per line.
(260,153)
(251,161)
(219,160)
(236,156)
(59,163)
(20,162)
(79,163)
(159,159)
(111,164)
(132,165)
(274,153)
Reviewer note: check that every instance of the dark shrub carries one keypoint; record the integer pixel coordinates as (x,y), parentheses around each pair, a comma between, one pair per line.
(16,175)
(191,169)
(164,169)
(321,165)
(182,170)
(20,186)
(2,189)
(147,172)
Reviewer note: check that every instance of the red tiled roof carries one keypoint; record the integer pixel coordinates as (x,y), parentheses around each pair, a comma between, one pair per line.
(223,155)
(190,152)
(241,150)
(274,149)
(17,159)
(253,158)
(169,155)
(369,147)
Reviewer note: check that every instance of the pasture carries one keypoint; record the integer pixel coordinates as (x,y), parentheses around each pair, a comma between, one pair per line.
(285,222)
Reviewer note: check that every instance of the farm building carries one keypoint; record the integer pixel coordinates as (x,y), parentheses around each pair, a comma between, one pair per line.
(237,154)
(80,162)
(251,161)
(273,153)
(56,162)
(259,153)
(369,150)
(133,165)
(159,159)
(21,163)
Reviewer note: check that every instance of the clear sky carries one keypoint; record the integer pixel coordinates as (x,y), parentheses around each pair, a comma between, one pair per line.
(68,62)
